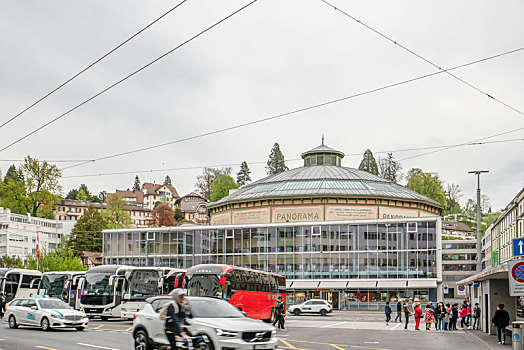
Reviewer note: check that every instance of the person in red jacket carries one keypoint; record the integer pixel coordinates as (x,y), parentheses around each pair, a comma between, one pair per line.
(418,315)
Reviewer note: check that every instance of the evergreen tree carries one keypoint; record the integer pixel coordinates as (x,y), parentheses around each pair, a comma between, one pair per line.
(12,173)
(167,181)
(179,216)
(368,163)
(136,186)
(81,196)
(87,232)
(276,162)
(243,175)
(72,194)
(390,168)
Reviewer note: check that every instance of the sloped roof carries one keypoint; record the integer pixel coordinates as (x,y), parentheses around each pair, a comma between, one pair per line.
(323,180)
(322,149)
(130,194)
(456,226)
(153,188)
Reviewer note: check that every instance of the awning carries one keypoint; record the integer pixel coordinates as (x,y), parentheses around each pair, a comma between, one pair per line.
(333,284)
(422,284)
(392,284)
(362,284)
(304,284)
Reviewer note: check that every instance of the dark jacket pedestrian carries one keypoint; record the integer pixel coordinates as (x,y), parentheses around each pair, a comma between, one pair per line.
(407,313)
(2,304)
(174,315)
(387,311)
(501,321)
(399,312)
(476,316)
(280,309)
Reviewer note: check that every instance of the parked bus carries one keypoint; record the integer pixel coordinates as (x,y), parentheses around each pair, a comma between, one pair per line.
(120,291)
(171,278)
(18,283)
(65,285)
(251,291)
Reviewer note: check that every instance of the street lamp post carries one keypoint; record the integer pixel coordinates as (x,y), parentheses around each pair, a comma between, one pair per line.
(479,230)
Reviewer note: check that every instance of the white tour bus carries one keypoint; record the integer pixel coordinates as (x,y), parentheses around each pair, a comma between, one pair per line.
(120,291)
(65,285)
(18,283)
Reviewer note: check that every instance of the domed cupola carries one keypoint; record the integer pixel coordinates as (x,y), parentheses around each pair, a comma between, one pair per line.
(322,155)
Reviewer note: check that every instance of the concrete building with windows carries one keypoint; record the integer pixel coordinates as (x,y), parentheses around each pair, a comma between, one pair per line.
(153,193)
(458,262)
(336,233)
(18,233)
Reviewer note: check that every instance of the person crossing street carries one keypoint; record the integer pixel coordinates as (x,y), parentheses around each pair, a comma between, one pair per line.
(387,311)
(174,313)
(280,309)
(399,311)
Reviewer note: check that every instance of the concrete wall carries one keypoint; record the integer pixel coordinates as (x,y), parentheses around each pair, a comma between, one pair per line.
(498,293)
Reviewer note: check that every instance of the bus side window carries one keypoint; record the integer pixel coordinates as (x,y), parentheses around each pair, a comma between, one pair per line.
(11,284)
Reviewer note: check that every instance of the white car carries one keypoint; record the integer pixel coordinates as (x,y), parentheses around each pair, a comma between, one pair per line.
(316,306)
(46,313)
(223,325)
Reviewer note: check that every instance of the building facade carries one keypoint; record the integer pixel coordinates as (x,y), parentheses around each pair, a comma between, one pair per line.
(19,233)
(355,264)
(194,208)
(153,193)
(458,262)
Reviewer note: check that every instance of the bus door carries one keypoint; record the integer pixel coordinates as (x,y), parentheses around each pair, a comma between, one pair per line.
(11,285)
(119,288)
(74,287)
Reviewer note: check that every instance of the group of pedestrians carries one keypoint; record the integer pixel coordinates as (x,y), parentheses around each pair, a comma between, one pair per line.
(444,317)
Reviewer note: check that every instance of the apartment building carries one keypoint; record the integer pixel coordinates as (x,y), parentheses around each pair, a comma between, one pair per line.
(18,233)
(194,208)
(458,262)
(153,193)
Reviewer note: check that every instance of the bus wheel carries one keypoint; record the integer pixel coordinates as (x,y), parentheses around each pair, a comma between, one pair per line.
(104,318)
(12,322)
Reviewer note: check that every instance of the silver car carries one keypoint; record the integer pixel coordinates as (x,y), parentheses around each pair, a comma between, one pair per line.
(225,327)
(46,313)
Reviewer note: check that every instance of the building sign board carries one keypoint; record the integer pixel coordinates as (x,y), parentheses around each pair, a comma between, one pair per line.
(445,288)
(495,258)
(297,214)
(516,278)
(252,216)
(518,247)
(350,213)
(395,213)
(221,219)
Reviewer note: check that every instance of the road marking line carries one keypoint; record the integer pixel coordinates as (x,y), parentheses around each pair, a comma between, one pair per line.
(337,347)
(98,327)
(286,343)
(396,326)
(333,324)
(347,346)
(97,346)
(128,329)
(43,347)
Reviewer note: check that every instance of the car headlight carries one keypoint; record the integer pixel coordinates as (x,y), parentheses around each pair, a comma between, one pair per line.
(57,316)
(224,333)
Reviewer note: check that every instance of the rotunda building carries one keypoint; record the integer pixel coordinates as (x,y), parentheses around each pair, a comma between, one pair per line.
(321,190)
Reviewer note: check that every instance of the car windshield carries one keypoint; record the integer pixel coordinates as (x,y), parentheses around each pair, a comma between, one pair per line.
(214,308)
(53,304)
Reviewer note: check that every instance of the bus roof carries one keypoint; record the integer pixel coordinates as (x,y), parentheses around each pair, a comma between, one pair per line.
(4,271)
(65,273)
(226,268)
(104,269)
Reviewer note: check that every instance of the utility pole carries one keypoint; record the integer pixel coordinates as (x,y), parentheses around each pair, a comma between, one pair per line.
(479,228)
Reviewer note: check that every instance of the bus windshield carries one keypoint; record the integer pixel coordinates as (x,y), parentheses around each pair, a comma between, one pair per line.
(142,284)
(54,285)
(97,290)
(205,286)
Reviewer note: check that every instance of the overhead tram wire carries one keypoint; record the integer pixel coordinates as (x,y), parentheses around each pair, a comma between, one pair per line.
(376,31)
(287,160)
(128,76)
(296,111)
(91,65)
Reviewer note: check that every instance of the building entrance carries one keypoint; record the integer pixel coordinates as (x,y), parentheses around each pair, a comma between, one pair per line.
(332,298)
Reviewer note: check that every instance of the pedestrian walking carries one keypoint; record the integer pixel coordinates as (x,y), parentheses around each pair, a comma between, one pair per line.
(2,304)
(399,311)
(462,316)
(387,311)
(429,316)
(501,321)
(279,313)
(446,316)
(418,315)
(476,316)
(174,314)
(407,314)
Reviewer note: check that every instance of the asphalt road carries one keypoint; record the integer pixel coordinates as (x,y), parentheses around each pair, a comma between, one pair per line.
(344,330)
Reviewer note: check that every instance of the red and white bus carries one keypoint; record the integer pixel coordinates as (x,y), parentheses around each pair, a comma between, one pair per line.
(251,291)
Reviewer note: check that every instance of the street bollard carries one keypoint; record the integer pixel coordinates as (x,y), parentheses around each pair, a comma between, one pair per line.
(516,339)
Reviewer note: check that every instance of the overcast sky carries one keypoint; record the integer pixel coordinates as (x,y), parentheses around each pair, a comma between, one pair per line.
(276,56)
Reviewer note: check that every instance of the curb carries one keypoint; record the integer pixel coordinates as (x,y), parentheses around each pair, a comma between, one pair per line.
(479,339)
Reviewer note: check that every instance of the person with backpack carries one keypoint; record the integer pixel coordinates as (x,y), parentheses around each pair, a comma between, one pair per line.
(476,316)
(501,321)
(453,317)
(387,311)
(407,313)
(418,315)
(399,311)
(174,313)
(279,313)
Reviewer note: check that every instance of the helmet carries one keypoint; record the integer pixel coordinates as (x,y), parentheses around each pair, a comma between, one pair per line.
(177,293)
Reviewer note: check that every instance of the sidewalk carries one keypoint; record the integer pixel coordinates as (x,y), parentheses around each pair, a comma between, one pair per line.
(490,341)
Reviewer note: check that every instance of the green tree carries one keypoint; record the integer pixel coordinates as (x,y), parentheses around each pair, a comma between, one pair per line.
(8,261)
(179,216)
(102,197)
(453,194)
(41,179)
(427,184)
(276,162)
(13,174)
(390,168)
(72,194)
(81,196)
(368,163)
(167,181)
(116,213)
(221,186)
(55,260)
(13,196)
(244,174)
(205,180)
(136,185)
(87,232)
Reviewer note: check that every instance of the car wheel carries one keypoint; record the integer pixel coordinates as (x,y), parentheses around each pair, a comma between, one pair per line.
(104,318)
(201,344)
(12,322)
(80,328)
(142,341)
(323,312)
(296,312)
(45,324)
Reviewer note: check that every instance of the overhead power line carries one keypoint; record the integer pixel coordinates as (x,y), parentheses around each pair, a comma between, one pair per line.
(127,76)
(288,160)
(376,31)
(296,111)
(91,65)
